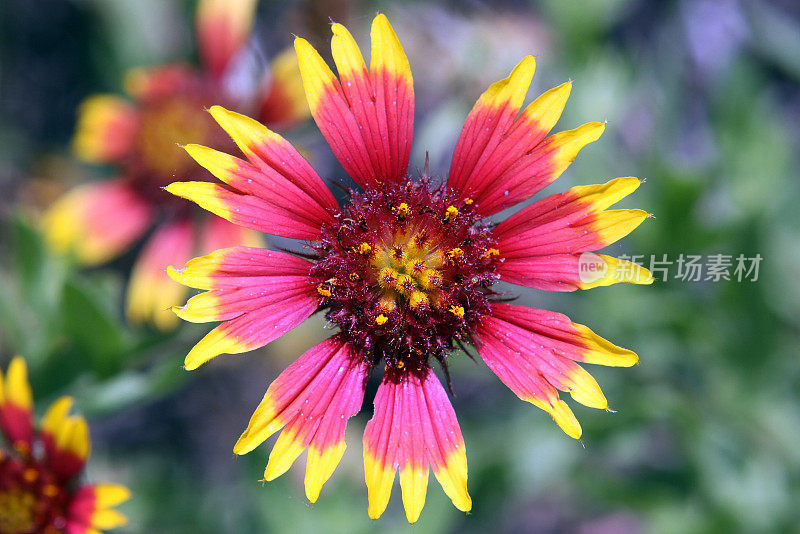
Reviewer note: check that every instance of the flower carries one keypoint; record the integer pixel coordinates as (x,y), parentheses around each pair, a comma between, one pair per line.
(40,467)
(405,269)
(98,221)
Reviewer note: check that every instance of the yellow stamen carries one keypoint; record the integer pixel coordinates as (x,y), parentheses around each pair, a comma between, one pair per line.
(430,278)
(399,364)
(468,201)
(387,277)
(417,299)
(405,284)
(364,248)
(491,252)
(458,311)
(402,211)
(398,255)
(450,213)
(381,319)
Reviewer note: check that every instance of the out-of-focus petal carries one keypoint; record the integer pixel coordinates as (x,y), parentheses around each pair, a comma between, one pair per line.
(97,221)
(90,508)
(149,83)
(283,99)
(105,130)
(16,405)
(223,27)
(217,233)
(151,292)
(66,439)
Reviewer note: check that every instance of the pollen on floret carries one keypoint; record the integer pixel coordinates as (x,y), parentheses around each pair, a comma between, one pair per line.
(402,210)
(387,303)
(31,474)
(364,248)
(450,213)
(324,291)
(491,252)
(381,319)
(455,253)
(458,311)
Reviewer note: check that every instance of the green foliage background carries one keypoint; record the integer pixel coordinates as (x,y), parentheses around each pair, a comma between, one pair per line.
(702,100)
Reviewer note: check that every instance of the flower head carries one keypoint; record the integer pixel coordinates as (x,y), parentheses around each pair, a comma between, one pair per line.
(140,138)
(406,269)
(40,467)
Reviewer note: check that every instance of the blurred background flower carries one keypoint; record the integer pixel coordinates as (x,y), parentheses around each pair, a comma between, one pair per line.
(140,136)
(41,464)
(703,101)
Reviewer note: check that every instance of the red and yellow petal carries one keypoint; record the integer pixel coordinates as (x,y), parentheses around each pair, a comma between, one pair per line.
(502,156)
(105,130)
(279,163)
(91,508)
(16,405)
(367,116)
(283,99)
(223,27)
(568,272)
(485,126)
(413,427)
(254,196)
(311,400)
(535,169)
(151,293)
(246,210)
(547,245)
(260,294)
(96,222)
(572,222)
(66,439)
(534,352)
(150,83)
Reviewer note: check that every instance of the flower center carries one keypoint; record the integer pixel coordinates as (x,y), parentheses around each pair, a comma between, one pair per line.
(166,123)
(405,272)
(16,512)
(30,497)
(170,119)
